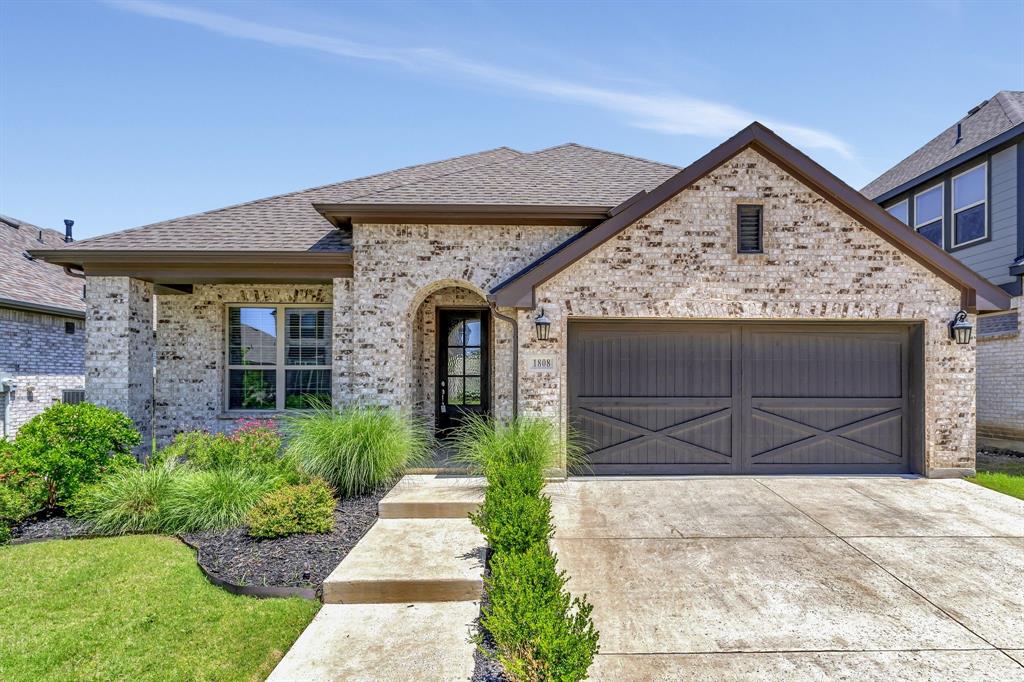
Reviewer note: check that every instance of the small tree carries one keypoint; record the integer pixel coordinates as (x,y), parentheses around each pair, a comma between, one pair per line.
(72,445)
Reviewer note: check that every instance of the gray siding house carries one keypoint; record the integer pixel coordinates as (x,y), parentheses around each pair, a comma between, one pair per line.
(964,190)
(42,326)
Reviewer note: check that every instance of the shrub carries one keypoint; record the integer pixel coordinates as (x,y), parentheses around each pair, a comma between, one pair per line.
(201,500)
(357,449)
(514,515)
(480,442)
(307,508)
(128,500)
(22,492)
(540,630)
(72,445)
(255,445)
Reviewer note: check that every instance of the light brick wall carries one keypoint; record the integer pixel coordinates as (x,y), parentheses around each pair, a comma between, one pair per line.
(191,350)
(119,349)
(1001,383)
(43,360)
(680,262)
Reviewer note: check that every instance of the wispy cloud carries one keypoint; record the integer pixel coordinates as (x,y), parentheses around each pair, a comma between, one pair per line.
(671,114)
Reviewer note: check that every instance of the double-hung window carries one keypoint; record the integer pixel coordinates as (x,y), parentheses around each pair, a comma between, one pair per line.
(970,194)
(278,357)
(928,213)
(899,211)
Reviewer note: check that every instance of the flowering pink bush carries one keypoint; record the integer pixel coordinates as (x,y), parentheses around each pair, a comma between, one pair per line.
(253,444)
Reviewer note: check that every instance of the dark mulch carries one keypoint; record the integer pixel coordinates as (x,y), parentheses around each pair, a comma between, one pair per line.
(999,460)
(48,525)
(293,561)
(485,668)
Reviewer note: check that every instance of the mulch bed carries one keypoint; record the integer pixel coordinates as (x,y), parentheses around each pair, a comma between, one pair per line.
(48,525)
(293,561)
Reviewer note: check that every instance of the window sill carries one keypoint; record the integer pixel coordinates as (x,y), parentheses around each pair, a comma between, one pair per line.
(253,414)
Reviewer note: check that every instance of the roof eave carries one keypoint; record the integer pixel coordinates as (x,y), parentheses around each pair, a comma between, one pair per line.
(29,306)
(463,214)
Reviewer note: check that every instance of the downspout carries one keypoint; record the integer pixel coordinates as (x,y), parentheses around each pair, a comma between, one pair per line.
(515,356)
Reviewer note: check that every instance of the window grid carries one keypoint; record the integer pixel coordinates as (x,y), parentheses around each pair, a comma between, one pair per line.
(980,202)
(310,337)
(940,219)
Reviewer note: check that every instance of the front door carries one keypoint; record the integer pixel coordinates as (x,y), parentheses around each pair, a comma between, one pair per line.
(462,350)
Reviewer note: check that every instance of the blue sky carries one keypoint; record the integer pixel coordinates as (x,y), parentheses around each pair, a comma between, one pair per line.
(123,113)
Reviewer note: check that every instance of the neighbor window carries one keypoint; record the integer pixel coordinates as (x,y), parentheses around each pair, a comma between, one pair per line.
(969,211)
(899,211)
(928,213)
(279,357)
(749,227)
(72,396)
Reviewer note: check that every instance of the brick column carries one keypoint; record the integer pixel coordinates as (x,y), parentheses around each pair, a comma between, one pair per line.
(342,346)
(119,349)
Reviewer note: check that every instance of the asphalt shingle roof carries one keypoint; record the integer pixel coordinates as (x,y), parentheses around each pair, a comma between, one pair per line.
(35,282)
(286,222)
(569,175)
(996,115)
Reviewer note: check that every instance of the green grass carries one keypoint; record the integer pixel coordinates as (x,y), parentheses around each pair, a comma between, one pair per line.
(134,608)
(1005,483)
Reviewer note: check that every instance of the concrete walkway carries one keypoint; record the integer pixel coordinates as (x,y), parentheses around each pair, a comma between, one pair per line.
(402,604)
(797,578)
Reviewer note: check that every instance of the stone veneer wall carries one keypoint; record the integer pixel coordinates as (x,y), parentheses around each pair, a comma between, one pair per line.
(398,266)
(42,358)
(1001,383)
(680,262)
(424,352)
(119,349)
(190,350)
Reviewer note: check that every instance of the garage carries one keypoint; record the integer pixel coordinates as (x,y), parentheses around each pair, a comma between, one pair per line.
(652,397)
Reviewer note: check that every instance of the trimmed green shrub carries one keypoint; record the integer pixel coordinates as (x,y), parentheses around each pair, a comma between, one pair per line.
(201,500)
(254,445)
(542,633)
(357,449)
(129,500)
(307,508)
(481,442)
(73,445)
(514,515)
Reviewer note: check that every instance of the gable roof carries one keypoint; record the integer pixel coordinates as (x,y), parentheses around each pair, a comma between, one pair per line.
(996,119)
(976,291)
(31,284)
(282,223)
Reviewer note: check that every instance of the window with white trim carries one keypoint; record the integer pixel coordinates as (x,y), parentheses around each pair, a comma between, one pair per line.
(278,357)
(900,210)
(928,213)
(970,214)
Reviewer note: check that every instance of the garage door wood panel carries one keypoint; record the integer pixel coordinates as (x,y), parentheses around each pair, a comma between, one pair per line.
(652,397)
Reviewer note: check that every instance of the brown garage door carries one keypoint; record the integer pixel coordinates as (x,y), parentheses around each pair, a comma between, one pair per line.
(696,398)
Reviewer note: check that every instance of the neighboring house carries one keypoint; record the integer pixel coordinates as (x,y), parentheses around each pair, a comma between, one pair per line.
(964,190)
(42,320)
(749,313)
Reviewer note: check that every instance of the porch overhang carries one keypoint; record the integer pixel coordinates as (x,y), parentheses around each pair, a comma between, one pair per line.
(463,214)
(206,267)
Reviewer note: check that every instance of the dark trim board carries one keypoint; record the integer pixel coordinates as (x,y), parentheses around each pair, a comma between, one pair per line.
(670,397)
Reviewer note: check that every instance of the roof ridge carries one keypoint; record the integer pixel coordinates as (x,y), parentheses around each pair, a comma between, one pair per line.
(632,157)
(297,192)
(1014,111)
(18,224)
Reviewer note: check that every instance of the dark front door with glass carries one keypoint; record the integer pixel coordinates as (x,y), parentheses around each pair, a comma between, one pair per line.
(461,366)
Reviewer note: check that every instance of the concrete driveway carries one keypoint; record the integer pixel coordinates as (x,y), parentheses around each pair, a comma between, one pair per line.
(797,578)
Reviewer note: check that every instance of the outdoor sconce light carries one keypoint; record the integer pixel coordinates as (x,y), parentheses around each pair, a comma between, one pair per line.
(542,325)
(959,328)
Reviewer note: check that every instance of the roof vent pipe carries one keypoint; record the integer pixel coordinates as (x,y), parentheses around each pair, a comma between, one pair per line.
(68,224)
(959,134)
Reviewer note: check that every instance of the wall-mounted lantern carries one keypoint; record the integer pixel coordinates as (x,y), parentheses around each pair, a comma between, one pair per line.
(960,329)
(542,325)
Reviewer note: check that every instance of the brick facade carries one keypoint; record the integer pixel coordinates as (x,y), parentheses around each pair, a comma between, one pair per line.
(42,359)
(1001,378)
(678,262)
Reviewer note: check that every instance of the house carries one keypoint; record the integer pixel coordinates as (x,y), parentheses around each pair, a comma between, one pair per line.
(964,190)
(749,313)
(42,326)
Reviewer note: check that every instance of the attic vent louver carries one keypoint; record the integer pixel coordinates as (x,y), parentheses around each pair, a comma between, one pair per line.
(749,228)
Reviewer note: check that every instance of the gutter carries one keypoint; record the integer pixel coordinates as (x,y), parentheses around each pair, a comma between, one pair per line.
(41,308)
(515,356)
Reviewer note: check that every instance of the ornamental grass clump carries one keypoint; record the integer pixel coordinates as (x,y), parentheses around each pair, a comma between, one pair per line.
(129,500)
(481,442)
(306,508)
(357,449)
(202,500)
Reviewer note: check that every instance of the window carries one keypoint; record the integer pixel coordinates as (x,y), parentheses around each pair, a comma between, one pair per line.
(899,211)
(970,190)
(928,213)
(279,357)
(749,228)
(72,396)
(69,327)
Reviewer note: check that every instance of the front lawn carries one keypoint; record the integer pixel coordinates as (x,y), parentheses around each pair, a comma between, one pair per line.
(1004,483)
(133,607)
